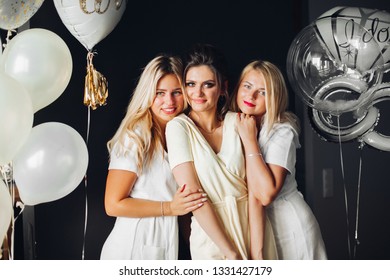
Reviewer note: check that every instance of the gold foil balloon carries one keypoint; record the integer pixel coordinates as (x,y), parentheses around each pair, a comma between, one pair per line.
(15,13)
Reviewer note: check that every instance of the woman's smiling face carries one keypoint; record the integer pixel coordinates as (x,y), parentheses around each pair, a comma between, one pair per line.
(252,93)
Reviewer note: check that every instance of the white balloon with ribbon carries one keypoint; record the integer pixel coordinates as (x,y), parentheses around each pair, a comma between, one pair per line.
(41,61)
(90,21)
(51,164)
(16,117)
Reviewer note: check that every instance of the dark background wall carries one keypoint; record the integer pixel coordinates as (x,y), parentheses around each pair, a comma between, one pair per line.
(246,30)
(373,207)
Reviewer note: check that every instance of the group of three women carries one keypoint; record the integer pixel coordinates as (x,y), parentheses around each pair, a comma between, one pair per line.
(184,150)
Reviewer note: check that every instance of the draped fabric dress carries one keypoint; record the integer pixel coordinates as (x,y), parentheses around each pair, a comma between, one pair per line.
(222,176)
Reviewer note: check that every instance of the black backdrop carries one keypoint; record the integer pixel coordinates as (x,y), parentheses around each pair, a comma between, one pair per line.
(247,30)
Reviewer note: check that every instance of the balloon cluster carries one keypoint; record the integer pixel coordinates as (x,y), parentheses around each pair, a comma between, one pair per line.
(47,161)
(35,69)
(336,65)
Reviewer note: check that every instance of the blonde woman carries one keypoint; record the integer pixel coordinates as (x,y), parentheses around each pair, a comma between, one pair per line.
(140,189)
(269,134)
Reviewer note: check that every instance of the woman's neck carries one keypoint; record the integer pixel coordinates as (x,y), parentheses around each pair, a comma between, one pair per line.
(206,121)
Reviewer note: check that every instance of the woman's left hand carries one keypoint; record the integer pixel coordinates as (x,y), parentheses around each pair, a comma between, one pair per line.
(246,127)
(186,201)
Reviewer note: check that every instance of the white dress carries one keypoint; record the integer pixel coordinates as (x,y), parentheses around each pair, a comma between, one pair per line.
(152,238)
(222,176)
(297,232)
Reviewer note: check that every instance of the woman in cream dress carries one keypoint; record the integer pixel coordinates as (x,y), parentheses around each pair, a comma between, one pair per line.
(205,151)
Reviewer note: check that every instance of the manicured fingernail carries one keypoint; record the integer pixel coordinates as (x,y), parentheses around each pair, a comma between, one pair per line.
(182,189)
(204,199)
(204,194)
(200,204)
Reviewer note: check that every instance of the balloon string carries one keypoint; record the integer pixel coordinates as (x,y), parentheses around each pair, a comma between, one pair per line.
(357,242)
(86,194)
(345,189)
(7,39)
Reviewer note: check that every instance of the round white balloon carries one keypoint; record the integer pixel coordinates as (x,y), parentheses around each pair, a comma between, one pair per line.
(41,61)
(90,21)
(6,210)
(51,164)
(16,117)
(376,22)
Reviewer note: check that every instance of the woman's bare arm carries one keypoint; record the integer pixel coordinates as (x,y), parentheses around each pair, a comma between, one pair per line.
(118,203)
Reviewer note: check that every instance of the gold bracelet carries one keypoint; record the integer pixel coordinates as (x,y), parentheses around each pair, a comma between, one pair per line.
(162,209)
(254,154)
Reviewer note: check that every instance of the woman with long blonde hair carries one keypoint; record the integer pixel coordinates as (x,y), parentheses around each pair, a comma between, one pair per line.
(140,189)
(270,136)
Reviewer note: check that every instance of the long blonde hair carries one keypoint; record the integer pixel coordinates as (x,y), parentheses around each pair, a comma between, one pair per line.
(138,123)
(276,97)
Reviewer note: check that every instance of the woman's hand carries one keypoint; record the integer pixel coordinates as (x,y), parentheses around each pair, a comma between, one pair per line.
(186,201)
(246,127)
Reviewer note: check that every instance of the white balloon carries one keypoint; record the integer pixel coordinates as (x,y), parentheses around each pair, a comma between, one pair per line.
(41,61)
(377,140)
(90,21)
(51,164)
(337,133)
(376,22)
(16,117)
(374,138)
(349,43)
(6,210)
(15,13)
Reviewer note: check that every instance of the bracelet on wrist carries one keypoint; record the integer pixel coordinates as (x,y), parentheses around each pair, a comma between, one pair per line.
(162,208)
(254,154)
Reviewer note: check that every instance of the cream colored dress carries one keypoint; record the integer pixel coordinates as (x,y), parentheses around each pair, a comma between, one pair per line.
(222,177)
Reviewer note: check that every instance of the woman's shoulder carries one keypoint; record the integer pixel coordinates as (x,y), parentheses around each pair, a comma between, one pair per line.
(285,127)
(180,121)
(285,131)
(230,116)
